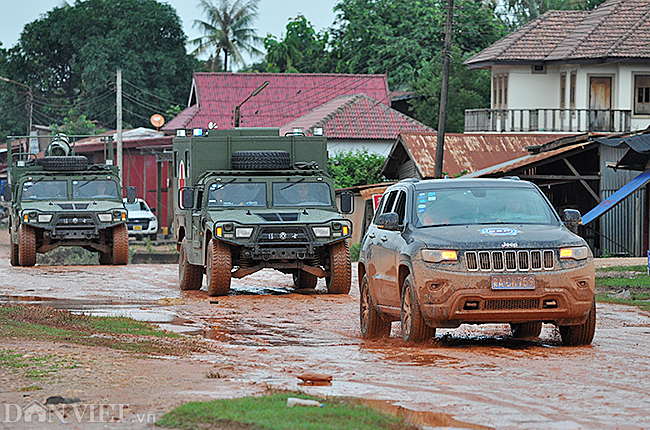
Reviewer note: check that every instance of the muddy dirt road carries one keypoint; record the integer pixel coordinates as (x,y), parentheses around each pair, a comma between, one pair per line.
(264,335)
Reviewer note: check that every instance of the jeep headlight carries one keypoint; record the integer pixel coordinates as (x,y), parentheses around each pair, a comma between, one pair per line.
(321,231)
(105,217)
(44,218)
(243,232)
(438,255)
(575,253)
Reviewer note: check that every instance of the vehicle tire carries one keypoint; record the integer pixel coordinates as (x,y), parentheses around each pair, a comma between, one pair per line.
(218,268)
(414,328)
(340,269)
(583,334)
(105,258)
(15,252)
(120,245)
(260,160)
(26,246)
(526,330)
(372,324)
(190,276)
(67,163)
(302,280)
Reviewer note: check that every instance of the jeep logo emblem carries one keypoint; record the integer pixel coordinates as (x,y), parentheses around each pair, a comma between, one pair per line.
(509,245)
(283,236)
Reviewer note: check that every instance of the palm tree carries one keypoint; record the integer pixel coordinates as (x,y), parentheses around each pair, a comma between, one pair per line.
(227,29)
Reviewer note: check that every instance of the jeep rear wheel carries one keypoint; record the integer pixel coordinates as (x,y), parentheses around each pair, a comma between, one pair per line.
(260,160)
(526,330)
(582,334)
(15,252)
(65,163)
(120,245)
(414,328)
(340,278)
(372,324)
(218,268)
(304,280)
(27,246)
(190,276)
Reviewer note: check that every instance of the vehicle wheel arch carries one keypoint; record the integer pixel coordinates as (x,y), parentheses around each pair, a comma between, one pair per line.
(208,238)
(404,271)
(180,235)
(361,270)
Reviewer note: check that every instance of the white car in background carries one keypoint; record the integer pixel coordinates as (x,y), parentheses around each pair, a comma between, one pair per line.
(141,220)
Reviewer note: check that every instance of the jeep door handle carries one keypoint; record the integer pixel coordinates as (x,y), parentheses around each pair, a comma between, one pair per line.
(371,235)
(383,238)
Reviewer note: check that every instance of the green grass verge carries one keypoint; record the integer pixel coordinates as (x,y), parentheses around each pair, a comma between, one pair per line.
(631,278)
(271,413)
(43,323)
(643,269)
(640,301)
(35,367)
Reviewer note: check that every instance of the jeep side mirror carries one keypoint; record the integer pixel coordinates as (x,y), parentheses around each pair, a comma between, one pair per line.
(6,192)
(347,202)
(153,210)
(186,198)
(572,219)
(388,221)
(130,194)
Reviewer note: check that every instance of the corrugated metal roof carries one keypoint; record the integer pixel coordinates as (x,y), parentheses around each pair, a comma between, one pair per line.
(358,117)
(288,97)
(465,152)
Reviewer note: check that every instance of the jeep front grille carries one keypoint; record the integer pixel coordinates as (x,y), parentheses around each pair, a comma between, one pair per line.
(283,235)
(75,221)
(510,304)
(519,260)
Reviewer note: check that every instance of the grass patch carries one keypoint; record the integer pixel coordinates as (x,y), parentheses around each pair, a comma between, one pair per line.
(271,413)
(68,255)
(643,269)
(43,323)
(613,280)
(35,367)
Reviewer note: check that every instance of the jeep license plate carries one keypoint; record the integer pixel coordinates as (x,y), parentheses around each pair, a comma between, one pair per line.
(137,227)
(513,282)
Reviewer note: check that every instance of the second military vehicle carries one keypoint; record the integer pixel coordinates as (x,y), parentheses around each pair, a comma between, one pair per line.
(62,200)
(250,199)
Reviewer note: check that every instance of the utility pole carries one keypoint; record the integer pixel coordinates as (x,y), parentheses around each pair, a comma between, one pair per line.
(253,94)
(444,88)
(30,101)
(119,124)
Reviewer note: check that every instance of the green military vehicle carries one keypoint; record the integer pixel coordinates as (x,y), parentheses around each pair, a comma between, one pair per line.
(249,199)
(60,199)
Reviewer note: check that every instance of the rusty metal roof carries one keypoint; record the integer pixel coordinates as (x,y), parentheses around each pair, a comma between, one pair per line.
(462,152)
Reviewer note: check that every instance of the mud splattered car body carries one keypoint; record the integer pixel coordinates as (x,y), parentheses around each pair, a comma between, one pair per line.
(440,253)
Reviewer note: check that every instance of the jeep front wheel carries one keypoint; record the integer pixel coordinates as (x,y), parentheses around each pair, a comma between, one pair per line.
(218,268)
(15,252)
(190,276)
(120,245)
(372,324)
(27,246)
(582,334)
(414,328)
(340,278)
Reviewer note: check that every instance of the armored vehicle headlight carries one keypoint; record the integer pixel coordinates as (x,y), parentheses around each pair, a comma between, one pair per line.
(44,217)
(243,232)
(321,231)
(30,216)
(438,255)
(575,253)
(105,217)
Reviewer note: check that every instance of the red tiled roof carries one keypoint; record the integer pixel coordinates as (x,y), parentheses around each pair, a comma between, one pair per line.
(358,117)
(286,98)
(615,29)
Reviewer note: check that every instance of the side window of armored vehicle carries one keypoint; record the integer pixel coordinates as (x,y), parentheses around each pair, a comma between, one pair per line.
(175,169)
(386,204)
(301,194)
(400,207)
(187,164)
(44,190)
(94,188)
(237,194)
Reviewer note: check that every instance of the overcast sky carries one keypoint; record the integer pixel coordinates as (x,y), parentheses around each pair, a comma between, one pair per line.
(272,18)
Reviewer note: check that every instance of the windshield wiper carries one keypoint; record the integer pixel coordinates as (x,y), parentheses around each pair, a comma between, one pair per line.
(292,184)
(87,182)
(220,186)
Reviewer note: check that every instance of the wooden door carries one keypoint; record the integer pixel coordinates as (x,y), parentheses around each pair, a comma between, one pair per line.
(600,103)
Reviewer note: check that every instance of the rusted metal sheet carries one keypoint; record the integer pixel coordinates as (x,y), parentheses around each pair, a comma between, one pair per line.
(467,152)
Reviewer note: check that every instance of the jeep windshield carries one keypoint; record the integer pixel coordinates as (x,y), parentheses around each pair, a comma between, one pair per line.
(481,205)
(94,188)
(45,190)
(301,194)
(237,194)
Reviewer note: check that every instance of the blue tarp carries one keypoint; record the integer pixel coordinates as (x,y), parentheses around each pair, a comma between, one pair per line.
(617,197)
(638,142)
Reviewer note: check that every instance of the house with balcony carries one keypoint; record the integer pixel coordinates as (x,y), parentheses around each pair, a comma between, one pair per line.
(570,72)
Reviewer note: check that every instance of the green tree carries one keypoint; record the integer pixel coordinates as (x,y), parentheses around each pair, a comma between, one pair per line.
(70,55)
(227,30)
(74,123)
(468,89)
(355,167)
(520,12)
(301,50)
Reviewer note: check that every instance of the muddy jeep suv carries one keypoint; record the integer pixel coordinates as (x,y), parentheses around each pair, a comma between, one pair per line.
(440,253)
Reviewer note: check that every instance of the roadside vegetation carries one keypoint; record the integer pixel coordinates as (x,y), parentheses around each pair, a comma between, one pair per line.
(270,412)
(121,333)
(629,285)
